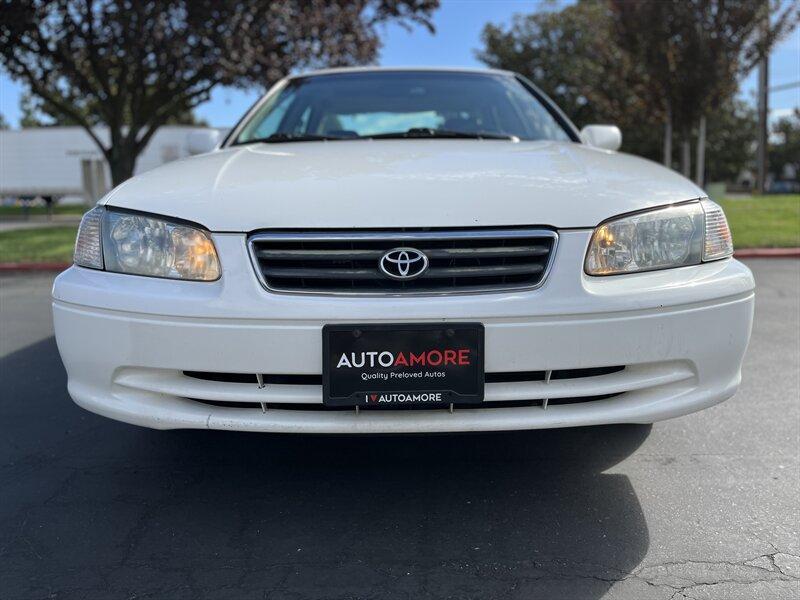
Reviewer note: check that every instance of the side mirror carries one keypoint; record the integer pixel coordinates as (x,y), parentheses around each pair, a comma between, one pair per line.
(202,141)
(608,137)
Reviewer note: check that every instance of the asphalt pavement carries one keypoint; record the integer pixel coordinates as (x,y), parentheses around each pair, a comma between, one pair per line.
(704,506)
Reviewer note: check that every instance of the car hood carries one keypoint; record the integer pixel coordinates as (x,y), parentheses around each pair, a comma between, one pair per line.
(402,183)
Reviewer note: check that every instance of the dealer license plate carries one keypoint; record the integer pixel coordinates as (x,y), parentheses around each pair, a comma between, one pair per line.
(403,364)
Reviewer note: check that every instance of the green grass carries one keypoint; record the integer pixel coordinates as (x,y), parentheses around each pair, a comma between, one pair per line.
(19,211)
(764,221)
(45,244)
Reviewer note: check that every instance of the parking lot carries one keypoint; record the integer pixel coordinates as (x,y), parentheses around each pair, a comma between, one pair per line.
(705,506)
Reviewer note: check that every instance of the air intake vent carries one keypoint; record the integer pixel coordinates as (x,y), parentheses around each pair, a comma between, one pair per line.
(403,261)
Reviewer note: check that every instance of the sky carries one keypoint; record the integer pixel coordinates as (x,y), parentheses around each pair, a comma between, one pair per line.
(458,27)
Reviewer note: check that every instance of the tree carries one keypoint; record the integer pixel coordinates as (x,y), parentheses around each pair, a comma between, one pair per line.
(36,112)
(133,66)
(785,150)
(3,122)
(731,140)
(31,114)
(695,53)
(571,55)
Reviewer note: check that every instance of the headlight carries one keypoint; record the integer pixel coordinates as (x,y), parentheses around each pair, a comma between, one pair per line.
(139,244)
(674,236)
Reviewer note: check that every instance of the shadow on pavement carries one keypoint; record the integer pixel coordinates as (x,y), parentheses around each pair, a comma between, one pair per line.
(94,508)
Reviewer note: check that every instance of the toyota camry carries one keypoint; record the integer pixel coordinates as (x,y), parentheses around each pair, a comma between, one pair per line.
(404,250)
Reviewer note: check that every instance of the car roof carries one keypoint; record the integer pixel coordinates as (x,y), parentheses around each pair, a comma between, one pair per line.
(376,69)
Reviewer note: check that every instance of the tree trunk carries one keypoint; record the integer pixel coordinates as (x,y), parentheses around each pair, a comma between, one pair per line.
(121,154)
(700,165)
(668,139)
(121,163)
(686,156)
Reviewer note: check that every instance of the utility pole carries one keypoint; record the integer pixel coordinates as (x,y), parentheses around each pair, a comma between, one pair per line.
(763,112)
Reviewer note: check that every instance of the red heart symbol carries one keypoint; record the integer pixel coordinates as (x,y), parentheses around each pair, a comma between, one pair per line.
(373,397)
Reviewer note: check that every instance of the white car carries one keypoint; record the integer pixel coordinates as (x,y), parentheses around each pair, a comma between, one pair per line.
(404,250)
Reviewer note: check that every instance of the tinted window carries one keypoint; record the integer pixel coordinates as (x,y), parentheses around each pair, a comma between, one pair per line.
(352,105)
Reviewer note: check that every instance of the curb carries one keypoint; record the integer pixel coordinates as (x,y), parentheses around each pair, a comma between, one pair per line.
(33,266)
(767,253)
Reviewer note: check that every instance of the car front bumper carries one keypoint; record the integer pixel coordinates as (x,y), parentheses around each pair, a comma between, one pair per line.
(127,341)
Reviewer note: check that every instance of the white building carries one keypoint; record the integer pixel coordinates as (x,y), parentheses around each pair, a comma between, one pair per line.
(53,161)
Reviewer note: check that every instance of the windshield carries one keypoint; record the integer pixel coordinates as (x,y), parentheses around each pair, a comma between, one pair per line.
(402,104)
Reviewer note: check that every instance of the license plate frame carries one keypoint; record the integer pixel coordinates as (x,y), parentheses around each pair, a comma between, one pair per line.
(446,378)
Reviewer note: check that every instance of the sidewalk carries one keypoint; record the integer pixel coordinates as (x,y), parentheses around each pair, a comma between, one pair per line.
(38,221)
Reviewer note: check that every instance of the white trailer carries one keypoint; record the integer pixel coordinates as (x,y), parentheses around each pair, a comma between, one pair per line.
(52,161)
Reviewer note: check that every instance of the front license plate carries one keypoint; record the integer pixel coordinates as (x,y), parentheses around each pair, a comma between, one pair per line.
(401,365)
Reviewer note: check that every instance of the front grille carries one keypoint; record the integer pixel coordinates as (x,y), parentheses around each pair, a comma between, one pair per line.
(496,377)
(413,407)
(347,262)
(268,379)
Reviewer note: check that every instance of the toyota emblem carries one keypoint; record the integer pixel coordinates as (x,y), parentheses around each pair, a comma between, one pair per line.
(403,263)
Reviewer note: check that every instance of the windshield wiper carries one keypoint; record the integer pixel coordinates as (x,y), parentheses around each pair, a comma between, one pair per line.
(414,132)
(429,132)
(276,138)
